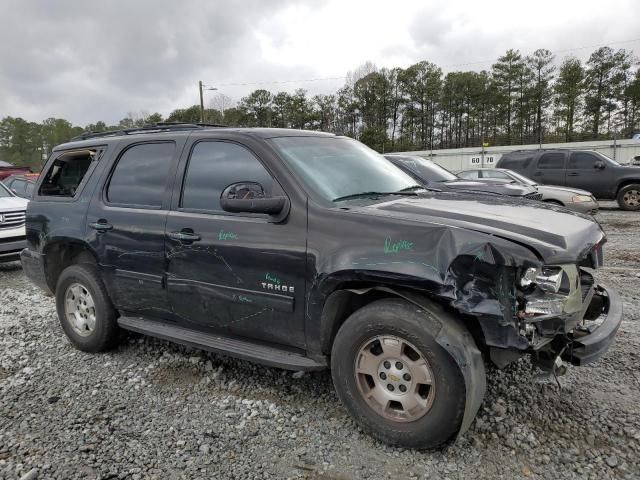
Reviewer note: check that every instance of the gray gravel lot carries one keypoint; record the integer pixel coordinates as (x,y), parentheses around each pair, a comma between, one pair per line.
(151,409)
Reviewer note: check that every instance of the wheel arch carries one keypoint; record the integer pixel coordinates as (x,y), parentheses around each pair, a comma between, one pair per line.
(62,253)
(626,182)
(455,336)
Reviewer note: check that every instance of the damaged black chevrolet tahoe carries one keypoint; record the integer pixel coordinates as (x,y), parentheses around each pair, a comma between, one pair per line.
(306,251)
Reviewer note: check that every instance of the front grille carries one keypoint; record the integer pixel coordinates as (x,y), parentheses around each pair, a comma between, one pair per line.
(11,239)
(11,219)
(533,196)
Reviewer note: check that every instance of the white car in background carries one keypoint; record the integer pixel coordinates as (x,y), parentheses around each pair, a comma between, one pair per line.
(12,229)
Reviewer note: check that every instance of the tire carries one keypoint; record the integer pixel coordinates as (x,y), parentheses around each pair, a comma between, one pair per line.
(95,328)
(443,402)
(629,197)
(554,202)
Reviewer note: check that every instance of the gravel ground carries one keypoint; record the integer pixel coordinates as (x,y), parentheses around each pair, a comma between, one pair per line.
(151,409)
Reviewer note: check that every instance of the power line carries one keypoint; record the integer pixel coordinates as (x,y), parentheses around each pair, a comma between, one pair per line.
(280,81)
(554,52)
(479,62)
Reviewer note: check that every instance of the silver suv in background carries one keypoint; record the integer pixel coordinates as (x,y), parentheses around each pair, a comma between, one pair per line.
(571,198)
(12,229)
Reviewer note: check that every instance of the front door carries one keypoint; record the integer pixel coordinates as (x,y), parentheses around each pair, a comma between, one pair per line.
(582,173)
(237,274)
(126,225)
(550,169)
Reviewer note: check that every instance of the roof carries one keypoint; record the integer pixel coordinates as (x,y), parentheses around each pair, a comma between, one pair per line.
(5,164)
(170,127)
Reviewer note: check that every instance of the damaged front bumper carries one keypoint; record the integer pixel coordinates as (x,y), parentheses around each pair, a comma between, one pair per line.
(580,334)
(584,339)
(593,337)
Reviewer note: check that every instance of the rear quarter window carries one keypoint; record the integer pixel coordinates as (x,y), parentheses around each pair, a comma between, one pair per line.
(517,163)
(65,175)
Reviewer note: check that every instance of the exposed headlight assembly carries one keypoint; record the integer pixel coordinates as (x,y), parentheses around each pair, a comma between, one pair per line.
(581,198)
(558,290)
(549,279)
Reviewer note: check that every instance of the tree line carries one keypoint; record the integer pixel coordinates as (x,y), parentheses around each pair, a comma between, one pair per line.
(521,99)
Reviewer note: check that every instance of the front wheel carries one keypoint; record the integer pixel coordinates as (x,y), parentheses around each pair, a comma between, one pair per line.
(394,378)
(629,197)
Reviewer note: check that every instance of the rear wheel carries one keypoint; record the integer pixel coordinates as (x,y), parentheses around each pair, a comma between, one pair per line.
(394,378)
(629,197)
(85,310)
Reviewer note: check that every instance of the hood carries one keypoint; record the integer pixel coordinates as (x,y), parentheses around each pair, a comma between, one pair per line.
(13,203)
(500,187)
(556,188)
(554,233)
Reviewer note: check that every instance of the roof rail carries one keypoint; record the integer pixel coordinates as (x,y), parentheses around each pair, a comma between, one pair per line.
(150,128)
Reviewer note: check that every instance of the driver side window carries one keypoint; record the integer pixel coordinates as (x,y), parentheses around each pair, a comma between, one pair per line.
(213,166)
(582,160)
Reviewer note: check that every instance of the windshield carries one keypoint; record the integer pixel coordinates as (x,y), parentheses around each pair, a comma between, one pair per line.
(335,167)
(4,191)
(521,178)
(427,170)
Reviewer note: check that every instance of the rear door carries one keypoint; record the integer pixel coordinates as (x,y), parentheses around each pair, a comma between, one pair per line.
(582,173)
(550,169)
(238,274)
(126,223)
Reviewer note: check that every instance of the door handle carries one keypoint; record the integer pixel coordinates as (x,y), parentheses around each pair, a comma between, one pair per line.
(101,226)
(573,174)
(184,236)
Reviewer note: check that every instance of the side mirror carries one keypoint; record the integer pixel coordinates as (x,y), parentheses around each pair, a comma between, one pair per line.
(248,197)
(598,164)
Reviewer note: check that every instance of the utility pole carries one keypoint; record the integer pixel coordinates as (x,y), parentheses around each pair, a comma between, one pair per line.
(202,87)
(201,102)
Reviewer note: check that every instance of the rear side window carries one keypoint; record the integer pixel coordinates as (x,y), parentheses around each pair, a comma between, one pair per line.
(17,186)
(518,163)
(495,174)
(553,160)
(66,173)
(469,175)
(141,174)
(212,167)
(582,160)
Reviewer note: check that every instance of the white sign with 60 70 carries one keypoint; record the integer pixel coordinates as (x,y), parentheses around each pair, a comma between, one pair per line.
(476,161)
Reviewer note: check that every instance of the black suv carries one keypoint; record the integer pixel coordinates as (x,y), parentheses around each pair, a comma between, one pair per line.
(584,169)
(306,250)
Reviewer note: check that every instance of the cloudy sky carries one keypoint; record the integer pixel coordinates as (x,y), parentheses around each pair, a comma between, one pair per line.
(90,61)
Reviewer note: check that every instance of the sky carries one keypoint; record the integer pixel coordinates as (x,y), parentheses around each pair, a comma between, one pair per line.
(89,61)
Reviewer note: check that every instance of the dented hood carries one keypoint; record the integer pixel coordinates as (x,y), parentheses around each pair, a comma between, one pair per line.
(556,234)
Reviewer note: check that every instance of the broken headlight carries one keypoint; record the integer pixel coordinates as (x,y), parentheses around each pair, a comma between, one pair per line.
(550,279)
(551,290)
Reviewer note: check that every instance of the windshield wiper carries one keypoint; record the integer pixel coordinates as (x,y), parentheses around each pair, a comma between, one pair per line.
(411,188)
(372,194)
(419,187)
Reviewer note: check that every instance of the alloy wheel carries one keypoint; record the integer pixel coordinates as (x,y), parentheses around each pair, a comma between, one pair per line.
(80,309)
(394,378)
